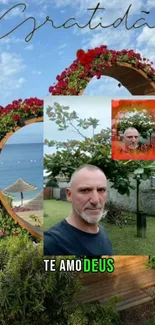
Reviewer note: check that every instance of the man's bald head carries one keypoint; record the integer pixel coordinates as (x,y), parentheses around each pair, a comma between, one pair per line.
(86,167)
(131,138)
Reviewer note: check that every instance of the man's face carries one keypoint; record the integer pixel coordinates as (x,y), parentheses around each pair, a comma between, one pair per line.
(131,139)
(88,195)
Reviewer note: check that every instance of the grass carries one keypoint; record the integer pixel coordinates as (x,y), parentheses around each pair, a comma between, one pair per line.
(124,240)
(55,211)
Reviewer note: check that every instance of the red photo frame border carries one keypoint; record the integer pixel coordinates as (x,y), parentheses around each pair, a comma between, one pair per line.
(126,106)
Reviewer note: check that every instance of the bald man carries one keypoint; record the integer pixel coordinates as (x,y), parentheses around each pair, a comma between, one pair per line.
(80,233)
(131,139)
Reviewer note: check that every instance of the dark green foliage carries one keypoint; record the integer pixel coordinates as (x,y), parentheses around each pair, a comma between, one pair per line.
(152,262)
(28,295)
(142,121)
(8,225)
(95,314)
(52,183)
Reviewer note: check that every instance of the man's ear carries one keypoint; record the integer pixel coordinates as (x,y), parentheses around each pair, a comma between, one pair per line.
(68,194)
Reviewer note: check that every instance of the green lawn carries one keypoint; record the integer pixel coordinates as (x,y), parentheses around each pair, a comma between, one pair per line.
(124,239)
(55,211)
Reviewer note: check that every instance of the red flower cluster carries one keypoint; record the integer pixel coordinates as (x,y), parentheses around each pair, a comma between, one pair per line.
(33,101)
(16,117)
(28,105)
(92,63)
(87,58)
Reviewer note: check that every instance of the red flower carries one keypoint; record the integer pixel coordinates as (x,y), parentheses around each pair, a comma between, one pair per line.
(80,53)
(35,108)
(16,117)
(82,75)
(51,89)
(15,234)
(26,108)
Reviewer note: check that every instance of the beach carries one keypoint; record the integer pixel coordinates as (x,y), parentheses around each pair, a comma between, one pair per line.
(22,161)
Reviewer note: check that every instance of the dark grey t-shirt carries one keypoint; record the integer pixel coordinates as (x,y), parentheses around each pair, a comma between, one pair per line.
(64,239)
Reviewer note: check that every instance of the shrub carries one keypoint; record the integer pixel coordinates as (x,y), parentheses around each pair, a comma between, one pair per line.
(8,226)
(118,217)
(114,215)
(95,314)
(52,183)
(152,262)
(28,295)
(9,199)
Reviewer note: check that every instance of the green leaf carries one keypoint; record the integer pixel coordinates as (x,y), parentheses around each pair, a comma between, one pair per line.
(139,171)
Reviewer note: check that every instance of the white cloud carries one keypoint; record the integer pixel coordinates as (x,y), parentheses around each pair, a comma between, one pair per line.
(114,10)
(10,40)
(147,36)
(150,4)
(4,2)
(29,47)
(60,53)
(62,46)
(11,65)
(20,82)
(110,37)
(114,5)
(106,86)
(41,10)
(36,72)
(17,11)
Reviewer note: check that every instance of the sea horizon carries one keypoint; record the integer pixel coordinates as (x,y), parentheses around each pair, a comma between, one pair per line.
(21,143)
(22,160)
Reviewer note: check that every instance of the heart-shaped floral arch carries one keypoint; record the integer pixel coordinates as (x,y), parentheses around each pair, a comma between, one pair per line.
(18,114)
(133,72)
(13,117)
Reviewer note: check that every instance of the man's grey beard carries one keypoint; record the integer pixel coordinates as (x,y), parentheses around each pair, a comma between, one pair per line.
(133,148)
(90,219)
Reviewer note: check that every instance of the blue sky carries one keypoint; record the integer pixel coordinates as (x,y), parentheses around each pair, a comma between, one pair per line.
(28,69)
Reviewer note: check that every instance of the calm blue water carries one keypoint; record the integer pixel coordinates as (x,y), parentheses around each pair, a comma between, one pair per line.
(22,161)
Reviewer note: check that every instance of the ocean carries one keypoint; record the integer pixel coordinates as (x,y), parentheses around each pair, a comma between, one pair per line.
(22,161)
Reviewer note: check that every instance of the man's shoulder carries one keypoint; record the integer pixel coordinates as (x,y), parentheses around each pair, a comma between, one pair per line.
(53,238)
(102,229)
(57,226)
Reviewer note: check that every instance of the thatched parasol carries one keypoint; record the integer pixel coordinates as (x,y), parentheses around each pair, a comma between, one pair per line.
(20,186)
(36,203)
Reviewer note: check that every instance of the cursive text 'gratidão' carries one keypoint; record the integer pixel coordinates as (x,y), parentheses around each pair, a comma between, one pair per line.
(72,21)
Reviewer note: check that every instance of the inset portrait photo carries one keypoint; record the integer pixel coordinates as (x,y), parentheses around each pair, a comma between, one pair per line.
(133,129)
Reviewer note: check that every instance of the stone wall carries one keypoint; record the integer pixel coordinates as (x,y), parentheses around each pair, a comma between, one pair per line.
(56,193)
(146,202)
